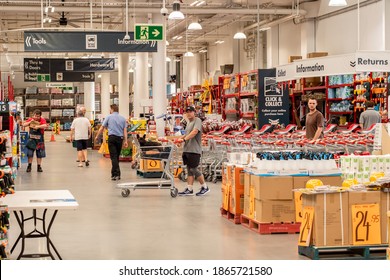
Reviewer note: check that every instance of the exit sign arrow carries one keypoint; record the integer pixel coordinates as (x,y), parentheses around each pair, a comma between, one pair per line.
(149,32)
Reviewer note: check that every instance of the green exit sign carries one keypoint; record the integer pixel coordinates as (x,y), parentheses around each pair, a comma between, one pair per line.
(149,32)
(43,77)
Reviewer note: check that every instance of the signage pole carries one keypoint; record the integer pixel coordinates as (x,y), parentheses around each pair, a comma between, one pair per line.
(123,81)
(358,25)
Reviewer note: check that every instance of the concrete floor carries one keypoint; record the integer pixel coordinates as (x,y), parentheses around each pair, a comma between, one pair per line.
(147,225)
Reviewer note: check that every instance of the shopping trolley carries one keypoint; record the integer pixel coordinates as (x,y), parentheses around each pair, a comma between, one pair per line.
(166,181)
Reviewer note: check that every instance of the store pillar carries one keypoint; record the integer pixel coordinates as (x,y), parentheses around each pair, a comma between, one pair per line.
(105,95)
(272,47)
(123,81)
(307,37)
(141,90)
(159,80)
(89,99)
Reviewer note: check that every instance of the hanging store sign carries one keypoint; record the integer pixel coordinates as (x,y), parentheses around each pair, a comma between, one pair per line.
(72,77)
(368,61)
(325,66)
(59,85)
(285,72)
(85,42)
(273,100)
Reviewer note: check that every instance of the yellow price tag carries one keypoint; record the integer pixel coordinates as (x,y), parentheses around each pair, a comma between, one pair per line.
(244,80)
(298,206)
(306,226)
(366,227)
(226,83)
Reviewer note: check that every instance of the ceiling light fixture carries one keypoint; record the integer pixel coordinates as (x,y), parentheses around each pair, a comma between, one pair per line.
(167,59)
(194,3)
(239,36)
(47,19)
(220,42)
(200,3)
(166,43)
(203,51)
(49,8)
(195,26)
(337,3)
(189,54)
(176,13)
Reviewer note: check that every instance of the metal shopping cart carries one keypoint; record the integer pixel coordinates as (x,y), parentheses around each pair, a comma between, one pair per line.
(160,153)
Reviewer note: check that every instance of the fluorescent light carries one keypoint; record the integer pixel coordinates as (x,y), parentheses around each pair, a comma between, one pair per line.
(200,3)
(167,59)
(264,28)
(47,20)
(239,36)
(149,65)
(99,76)
(220,42)
(166,43)
(337,3)
(131,70)
(127,37)
(194,3)
(194,26)
(203,51)
(189,54)
(179,37)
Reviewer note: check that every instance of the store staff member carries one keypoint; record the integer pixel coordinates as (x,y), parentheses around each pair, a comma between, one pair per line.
(314,121)
(117,135)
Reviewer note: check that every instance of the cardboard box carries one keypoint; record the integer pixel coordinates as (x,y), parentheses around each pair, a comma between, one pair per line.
(356,198)
(274,211)
(385,220)
(246,211)
(225,197)
(273,187)
(316,54)
(331,215)
(236,200)
(387,253)
(236,177)
(292,58)
(300,181)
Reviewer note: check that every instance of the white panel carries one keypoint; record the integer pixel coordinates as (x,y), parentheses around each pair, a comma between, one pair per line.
(289,41)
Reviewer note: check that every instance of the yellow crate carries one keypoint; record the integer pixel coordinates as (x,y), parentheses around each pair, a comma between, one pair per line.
(135,121)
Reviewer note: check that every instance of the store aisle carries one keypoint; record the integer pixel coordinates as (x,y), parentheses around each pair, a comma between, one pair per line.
(148,224)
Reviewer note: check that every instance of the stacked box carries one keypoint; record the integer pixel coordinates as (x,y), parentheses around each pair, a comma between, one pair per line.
(42,102)
(385,216)
(236,192)
(46,114)
(67,102)
(56,102)
(31,102)
(330,225)
(273,201)
(44,90)
(56,113)
(68,113)
(316,54)
(56,91)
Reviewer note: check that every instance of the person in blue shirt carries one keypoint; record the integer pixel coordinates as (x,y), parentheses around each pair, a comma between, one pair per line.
(117,136)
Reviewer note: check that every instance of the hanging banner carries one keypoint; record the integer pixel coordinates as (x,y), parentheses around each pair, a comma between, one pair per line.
(285,72)
(325,66)
(372,61)
(85,42)
(273,101)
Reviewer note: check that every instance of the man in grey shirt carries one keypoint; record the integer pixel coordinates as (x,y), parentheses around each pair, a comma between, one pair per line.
(370,116)
(192,152)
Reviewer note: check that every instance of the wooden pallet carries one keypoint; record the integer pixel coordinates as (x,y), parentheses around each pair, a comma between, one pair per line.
(149,174)
(235,218)
(269,228)
(371,252)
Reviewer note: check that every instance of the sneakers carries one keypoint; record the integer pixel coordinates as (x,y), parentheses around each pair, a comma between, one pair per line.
(87,163)
(203,191)
(39,169)
(186,191)
(28,168)
(115,178)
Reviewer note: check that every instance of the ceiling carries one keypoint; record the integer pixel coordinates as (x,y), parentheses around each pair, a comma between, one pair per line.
(217,18)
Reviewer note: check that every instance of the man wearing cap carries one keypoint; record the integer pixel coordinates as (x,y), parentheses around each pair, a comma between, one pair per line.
(192,152)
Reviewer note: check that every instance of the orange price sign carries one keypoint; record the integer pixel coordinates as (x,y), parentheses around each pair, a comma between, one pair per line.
(366,227)
(298,206)
(306,226)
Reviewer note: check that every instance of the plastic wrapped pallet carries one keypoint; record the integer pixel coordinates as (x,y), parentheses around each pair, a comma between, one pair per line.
(68,113)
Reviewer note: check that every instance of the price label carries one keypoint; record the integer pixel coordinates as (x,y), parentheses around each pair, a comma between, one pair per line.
(298,206)
(366,224)
(244,80)
(226,83)
(306,226)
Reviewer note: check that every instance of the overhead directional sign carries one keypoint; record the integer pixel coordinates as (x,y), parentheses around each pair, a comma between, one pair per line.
(149,32)
(87,42)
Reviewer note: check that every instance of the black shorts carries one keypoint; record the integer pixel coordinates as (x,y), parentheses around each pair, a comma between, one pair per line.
(81,145)
(192,160)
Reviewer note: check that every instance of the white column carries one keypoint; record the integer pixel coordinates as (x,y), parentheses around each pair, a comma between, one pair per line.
(89,99)
(307,38)
(123,81)
(159,79)
(141,89)
(273,47)
(105,95)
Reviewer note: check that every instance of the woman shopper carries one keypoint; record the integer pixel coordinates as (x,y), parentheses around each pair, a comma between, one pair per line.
(81,132)
(35,142)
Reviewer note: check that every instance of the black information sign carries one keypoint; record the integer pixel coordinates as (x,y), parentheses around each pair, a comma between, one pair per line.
(273,100)
(72,77)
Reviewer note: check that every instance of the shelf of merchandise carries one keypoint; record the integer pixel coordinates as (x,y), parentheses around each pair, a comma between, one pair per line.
(248,96)
(230,86)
